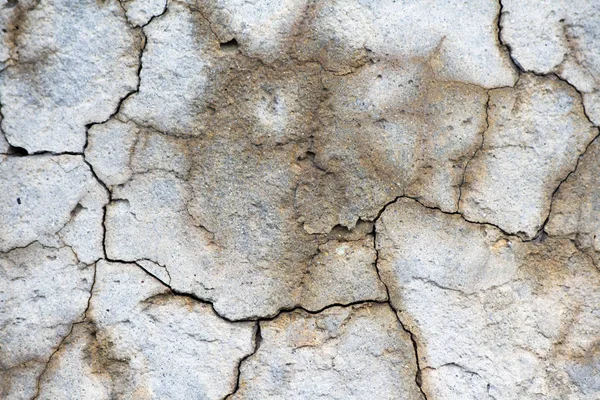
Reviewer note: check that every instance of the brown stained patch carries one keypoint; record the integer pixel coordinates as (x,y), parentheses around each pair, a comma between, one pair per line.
(545,264)
(550,264)
(312,44)
(99,352)
(257,126)
(260,111)
(96,352)
(500,245)
(7,374)
(558,270)
(343,234)
(571,39)
(583,368)
(101,355)
(15,24)
(285,149)
(299,27)
(388,129)
(215,18)
(266,105)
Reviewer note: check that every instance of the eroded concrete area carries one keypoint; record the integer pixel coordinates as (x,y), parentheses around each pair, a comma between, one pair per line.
(299,199)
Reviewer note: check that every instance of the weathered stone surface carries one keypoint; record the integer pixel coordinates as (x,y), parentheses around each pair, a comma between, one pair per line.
(117,150)
(342,273)
(43,291)
(389,130)
(557,37)
(144,342)
(357,352)
(227,198)
(54,200)
(4,145)
(536,133)
(575,209)
(493,317)
(109,150)
(63,79)
(341,35)
(10,18)
(228,260)
(140,12)
(175,72)
(71,375)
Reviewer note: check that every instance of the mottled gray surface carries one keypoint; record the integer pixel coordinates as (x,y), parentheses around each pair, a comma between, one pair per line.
(299,199)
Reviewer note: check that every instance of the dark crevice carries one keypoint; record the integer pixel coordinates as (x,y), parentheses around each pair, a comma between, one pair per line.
(257,320)
(132,25)
(153,262)
(229,47)
(104,208)
(541,232)
(55,153)
(506,46)
(257,342)
(457,213)
(139,71)
(16,151)
(167,284)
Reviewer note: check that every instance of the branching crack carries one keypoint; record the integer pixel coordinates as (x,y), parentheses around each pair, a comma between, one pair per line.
(176,292)
(521,70)
(117,110)
(257,338)
(542,230)
(108,191)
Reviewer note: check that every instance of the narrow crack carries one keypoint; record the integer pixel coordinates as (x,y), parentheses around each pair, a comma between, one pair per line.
(270,317)
(506,46)
(257,339)
(418,374)
(453,364)
(542,229)
(108,191)
(520,69)
(116,112)
(480,148)
(83,319)
(584,252)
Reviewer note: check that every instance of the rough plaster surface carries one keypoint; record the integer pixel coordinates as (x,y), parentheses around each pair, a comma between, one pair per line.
(299,199)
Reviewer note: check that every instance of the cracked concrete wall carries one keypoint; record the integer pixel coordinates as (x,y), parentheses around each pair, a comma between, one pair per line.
(299,199)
